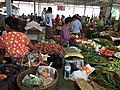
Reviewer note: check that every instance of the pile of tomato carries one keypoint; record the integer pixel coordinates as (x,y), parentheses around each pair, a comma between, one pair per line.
(107,52)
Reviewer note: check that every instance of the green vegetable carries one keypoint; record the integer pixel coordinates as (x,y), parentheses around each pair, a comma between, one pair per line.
(90,57)
(36,82)
(26,83)
(33,82)
(114,65)
(109,81)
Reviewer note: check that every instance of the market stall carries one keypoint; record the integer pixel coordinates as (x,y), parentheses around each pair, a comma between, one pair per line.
(94,63)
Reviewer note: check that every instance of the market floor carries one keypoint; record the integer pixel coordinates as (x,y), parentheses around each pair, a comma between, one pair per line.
(63,84)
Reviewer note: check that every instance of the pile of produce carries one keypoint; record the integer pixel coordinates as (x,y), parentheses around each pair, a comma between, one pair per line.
(94,58)
(3,76)
(49,48)
(109,81)
(114,65)
(107,52)
(106,43)
(32,81)
(87,47)
(114,34)
(82,40)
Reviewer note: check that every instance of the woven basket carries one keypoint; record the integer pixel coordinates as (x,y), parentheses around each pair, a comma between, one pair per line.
(20,77)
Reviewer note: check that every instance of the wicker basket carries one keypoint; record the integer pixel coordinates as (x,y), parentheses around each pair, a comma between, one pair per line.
(20,77)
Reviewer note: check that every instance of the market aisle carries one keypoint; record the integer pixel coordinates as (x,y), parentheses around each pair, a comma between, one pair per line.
(64,84)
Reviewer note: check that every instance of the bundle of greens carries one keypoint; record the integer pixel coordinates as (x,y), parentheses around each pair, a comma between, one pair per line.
(109,81)
(93,58)
(31,81)
(114,65)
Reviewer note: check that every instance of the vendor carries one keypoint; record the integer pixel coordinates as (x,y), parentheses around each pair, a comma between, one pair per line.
(65,32)
(15,43)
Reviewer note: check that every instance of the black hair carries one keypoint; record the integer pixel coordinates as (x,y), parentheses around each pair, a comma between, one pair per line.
(12,22)
(68,19)
(49,10)
(57,16)
(74,17)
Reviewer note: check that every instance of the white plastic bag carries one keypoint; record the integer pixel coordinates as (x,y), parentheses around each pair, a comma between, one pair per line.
(78,74)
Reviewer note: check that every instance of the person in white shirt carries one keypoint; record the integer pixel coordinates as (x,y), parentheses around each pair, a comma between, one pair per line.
(77,27)
(49,24)
(43,14)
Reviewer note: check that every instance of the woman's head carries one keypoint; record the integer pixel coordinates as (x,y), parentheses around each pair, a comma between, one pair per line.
(49,10)
(11,23)
(68,21)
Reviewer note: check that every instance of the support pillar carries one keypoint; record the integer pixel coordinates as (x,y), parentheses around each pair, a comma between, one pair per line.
(85,9)
(34,10)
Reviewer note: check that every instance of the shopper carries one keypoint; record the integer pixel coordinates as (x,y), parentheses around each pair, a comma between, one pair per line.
(57,22)
(43,14)
(65,32)
(108,22)
(15,43)
(62,20)
(100,24)
(49,19)
(77,27)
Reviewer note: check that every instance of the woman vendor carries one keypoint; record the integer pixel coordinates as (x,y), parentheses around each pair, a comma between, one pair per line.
(65,32)
(15,43)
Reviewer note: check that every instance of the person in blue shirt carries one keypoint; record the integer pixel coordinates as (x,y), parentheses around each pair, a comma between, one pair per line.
(77,27)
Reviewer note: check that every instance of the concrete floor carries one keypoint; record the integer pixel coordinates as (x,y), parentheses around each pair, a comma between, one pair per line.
(63,84)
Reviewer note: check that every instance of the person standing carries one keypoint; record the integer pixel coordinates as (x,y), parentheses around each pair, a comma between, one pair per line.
(77,27)
(43,15)
(49,19)
(100,24)
(65,32)
(57,22)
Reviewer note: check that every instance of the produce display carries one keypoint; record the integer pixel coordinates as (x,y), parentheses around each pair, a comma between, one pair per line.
(49,48)
(114,65)
(107,52)
(114,34)
(94,58)
(3,76)
(103,42)
(86,47)
(109,81)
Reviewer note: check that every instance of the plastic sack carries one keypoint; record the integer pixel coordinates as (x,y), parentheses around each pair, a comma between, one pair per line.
(51,70)
(78,74)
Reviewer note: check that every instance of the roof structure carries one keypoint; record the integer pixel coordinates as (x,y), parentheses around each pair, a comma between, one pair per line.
(75,2)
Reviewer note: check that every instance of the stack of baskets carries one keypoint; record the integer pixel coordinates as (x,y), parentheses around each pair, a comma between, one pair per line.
(20,77)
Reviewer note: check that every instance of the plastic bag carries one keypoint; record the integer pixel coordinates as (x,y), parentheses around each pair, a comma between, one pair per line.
(32,81)
(78,74)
